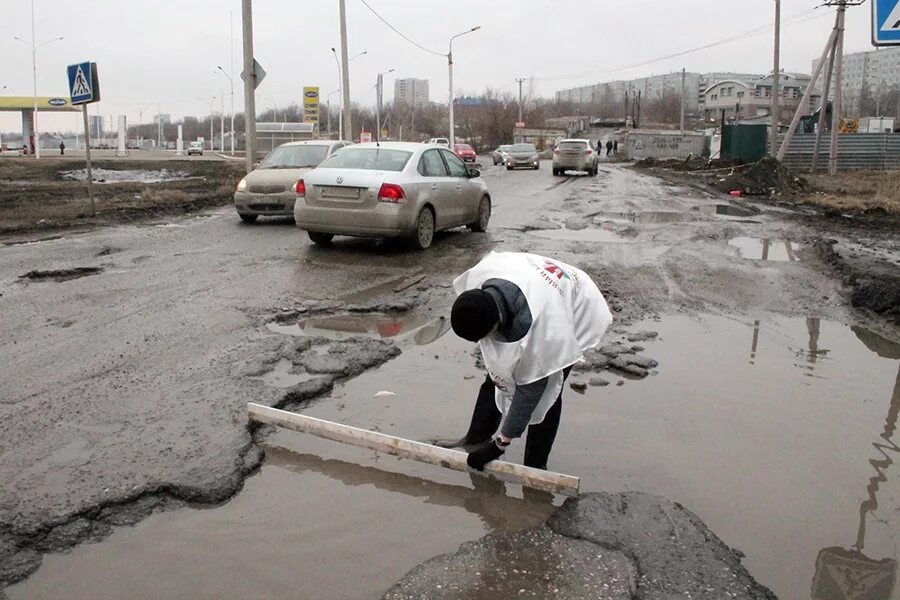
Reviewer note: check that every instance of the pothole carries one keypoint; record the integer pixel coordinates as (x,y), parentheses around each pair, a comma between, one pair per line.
(418,329)
(645,217)
(580,235)
(125,175)
(727,210)
(61,274)
(768,249)
(283,377)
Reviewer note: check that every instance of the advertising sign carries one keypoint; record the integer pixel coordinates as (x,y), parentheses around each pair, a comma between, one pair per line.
(311,105)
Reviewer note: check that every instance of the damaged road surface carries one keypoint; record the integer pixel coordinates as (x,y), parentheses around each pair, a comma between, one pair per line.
(719,395)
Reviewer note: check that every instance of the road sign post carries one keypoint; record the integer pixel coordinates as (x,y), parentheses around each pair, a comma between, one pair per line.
(886,22)
(84,88)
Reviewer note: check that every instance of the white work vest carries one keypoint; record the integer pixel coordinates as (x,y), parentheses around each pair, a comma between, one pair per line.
(569,315)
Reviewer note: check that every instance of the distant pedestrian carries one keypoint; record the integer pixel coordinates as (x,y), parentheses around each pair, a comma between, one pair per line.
(609,147)
(599,146)
(62,148)
(615,147)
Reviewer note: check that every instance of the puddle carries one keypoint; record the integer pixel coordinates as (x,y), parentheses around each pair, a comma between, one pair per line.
(727,210)
(765,249)
(281,376)
(35,241)
(646,217)
(604,236)
(61,274)
(419,329)
(125,175)
(796,471)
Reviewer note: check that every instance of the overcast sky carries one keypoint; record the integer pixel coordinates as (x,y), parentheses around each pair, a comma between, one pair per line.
(165,52)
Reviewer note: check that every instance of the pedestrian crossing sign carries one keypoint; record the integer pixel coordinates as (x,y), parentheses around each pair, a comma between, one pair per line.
(84,85)
(886,22)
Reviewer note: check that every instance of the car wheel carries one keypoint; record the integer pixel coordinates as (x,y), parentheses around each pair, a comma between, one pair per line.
(484,215)
(536,167)
(320,239)
(424,233)
(508,168)
(248,218)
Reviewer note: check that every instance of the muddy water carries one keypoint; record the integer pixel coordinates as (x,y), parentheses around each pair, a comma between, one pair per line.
(778,432)
(765,249)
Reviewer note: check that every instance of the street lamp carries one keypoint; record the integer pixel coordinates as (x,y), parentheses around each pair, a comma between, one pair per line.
(211,120)
(37,138)
(378,89)
(328,104)
(450,72)
(231,81)
(141,109)
(341,89)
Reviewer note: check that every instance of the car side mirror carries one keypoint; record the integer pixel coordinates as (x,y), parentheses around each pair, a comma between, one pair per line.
(473,173)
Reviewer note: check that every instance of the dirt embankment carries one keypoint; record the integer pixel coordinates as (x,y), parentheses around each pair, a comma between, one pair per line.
(52,193)
(848,191)
(857,215)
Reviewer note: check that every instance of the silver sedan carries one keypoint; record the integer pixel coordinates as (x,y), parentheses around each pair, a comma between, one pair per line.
(394,189)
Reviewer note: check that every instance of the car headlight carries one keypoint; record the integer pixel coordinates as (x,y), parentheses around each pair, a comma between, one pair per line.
(242,185)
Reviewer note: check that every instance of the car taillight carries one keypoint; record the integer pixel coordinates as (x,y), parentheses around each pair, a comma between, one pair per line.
(300,188)
(588,152)
(391,192)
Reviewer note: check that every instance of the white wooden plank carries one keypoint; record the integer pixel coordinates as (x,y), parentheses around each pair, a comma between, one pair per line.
(444,457)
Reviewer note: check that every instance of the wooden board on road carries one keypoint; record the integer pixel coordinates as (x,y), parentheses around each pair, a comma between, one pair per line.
(444,457)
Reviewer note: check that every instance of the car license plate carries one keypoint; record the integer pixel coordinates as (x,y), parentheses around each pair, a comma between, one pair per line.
(340,192)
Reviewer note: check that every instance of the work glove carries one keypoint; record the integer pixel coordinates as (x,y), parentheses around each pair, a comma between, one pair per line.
(483,454)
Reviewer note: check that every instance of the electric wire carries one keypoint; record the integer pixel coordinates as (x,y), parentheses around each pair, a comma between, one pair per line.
(400,33)
(787,22)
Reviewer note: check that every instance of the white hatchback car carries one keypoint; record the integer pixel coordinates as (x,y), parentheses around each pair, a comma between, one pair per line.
(575,155)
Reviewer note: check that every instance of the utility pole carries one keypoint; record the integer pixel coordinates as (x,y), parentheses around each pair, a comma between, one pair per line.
(345,75)
(683,90)
(836,47)
(249,85)
(776,81)
(820,129)
(838,84)
(520,81)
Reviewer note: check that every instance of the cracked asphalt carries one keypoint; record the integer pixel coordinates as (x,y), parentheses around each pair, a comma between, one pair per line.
(132,351)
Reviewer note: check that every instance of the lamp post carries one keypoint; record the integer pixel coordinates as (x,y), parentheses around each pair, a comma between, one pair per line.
(211,120)
(378,89)
(231,81)
(328,104)
(341,89)
(141,109)
(452,137)
(34,47)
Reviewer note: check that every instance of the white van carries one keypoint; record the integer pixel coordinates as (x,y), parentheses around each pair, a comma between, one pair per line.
(195,148)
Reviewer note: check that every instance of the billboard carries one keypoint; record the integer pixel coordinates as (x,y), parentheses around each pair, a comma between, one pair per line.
(311,105)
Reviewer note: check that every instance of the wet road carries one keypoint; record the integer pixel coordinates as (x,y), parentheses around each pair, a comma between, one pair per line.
(768,416)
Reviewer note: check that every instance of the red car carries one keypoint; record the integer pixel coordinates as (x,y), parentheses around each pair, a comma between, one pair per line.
(465,152)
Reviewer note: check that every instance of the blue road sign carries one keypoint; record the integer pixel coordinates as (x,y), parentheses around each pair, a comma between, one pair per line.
(886,22)
(84,85)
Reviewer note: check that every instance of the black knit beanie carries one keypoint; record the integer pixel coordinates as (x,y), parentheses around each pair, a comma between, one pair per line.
(474,314)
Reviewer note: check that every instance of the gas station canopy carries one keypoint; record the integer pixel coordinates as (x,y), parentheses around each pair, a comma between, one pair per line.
(44,104)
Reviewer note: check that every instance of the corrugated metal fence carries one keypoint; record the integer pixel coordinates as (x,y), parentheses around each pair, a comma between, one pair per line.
(878,151)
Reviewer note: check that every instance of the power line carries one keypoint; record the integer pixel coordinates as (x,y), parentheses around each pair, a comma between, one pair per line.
(400,33)
(727,40)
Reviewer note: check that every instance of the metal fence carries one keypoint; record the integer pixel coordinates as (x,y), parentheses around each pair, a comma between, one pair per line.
(857,151)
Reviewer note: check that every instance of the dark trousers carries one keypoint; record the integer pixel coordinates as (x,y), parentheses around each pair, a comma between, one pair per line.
(539,441)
